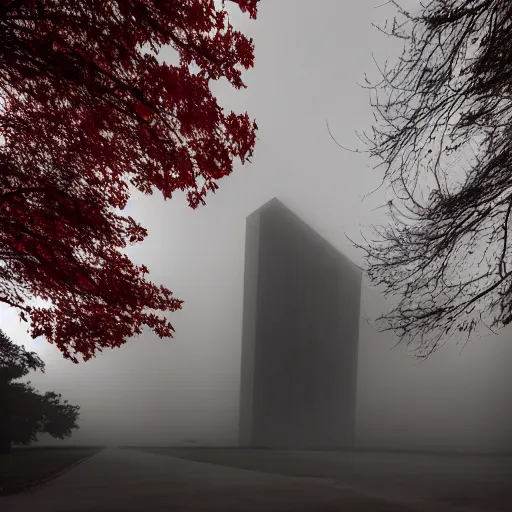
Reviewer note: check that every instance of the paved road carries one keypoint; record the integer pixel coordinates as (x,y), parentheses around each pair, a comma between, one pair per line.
(118,480)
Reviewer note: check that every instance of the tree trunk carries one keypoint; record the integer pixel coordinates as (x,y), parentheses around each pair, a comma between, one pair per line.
(5,437)
(5,445)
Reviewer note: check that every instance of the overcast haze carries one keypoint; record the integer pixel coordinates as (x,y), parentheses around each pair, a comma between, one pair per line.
(309,58)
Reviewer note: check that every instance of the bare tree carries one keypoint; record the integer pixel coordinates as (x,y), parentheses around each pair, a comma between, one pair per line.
(443,137)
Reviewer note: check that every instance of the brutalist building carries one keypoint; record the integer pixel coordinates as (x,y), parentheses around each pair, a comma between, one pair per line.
(300,336)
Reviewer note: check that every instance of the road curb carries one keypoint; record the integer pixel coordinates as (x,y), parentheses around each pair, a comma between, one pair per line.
(46,479)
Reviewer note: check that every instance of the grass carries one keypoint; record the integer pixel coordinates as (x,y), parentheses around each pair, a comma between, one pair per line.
(306,463)
(267,461)
(24,467)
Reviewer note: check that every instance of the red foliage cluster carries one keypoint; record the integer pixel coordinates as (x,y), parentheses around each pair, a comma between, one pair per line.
(85,110)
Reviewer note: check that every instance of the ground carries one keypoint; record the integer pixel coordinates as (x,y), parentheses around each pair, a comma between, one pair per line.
(26,466)
(458,480)
(129,480)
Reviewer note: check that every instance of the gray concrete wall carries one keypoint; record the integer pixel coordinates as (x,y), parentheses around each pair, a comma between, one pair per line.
(300,336)
(249,328)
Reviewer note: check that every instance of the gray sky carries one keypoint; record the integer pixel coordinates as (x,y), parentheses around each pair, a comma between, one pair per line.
(309,58)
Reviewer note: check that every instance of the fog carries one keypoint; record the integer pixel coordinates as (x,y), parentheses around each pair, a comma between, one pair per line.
(309,58)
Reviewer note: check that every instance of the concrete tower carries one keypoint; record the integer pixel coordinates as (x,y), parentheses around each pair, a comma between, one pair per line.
(300,336)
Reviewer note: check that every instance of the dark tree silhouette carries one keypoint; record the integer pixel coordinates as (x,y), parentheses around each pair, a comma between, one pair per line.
(86,111)
(25,413)
(443,137)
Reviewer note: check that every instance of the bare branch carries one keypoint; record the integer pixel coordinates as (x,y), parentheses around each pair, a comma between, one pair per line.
(443,138)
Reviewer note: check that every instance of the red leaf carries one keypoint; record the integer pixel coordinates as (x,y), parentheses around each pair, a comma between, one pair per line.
(145,112)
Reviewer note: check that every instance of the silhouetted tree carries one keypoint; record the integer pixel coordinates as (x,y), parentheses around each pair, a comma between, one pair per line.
(444,139)
(86,111)
(25,413)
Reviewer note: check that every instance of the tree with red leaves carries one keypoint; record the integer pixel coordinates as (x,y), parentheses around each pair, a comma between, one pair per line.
(86,110)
